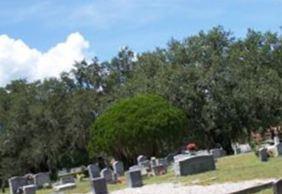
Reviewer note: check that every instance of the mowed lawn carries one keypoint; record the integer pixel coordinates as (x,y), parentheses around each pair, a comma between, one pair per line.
(229,169)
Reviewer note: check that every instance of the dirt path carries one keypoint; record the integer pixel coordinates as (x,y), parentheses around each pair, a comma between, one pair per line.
(169,188)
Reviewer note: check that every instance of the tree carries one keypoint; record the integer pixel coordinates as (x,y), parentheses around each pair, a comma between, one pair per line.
(143,124)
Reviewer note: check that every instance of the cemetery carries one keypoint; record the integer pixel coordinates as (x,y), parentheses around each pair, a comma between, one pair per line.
(202,114)
(195,172)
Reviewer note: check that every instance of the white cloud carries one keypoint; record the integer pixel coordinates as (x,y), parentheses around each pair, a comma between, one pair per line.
(18,60)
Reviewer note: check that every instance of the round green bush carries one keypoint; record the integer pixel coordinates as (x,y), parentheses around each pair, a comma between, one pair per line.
(144,124)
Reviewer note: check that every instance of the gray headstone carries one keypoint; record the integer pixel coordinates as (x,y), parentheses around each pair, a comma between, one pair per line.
(194,164)
(163,161)
(134,178)
(16,183)
(99,186)
(178,157)
(277,187)
(118,168)
(202,152)
(41,179)
(153,162)
(67,179)
(141,158)
(107,174)
(263,154)
(93,170)
(169,158)
(77,170)
(217,152)
(135,167)
(29,189)
(279,148)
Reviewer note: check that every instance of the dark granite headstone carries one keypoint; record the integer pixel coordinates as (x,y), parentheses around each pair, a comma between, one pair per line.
(93,170)
(99,186)
(16,183)
(67,179)
(134,178)
(263,154)
(277,187)
(118,168)
(41,179)
(107,174)
(194,165)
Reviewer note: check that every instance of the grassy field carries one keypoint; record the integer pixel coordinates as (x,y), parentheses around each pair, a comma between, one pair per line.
(229,169)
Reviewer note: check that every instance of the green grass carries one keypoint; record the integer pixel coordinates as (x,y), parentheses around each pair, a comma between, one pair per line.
(229,169)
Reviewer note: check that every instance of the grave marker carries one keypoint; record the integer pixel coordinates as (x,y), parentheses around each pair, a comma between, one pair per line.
(134,178)
(99,186)
(118,168)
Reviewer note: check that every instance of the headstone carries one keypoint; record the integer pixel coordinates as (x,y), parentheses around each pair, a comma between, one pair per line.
(134,167)
(42,179)
(134,178)
(178,157)
(194,164)
(202,152)
(141,158)
(93,170)
(118,168)
(169,158)
(67,179)
(107,174)
(217,152)
(29,189)
(15,183)
(279,149)
(78,170)
(99,186)
(276,140)
(163,161)
(277,187)
(153,162)
(263,154)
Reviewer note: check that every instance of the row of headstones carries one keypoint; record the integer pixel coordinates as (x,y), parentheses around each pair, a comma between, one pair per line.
(108,174)
(155,166)
(133,177)
(29,183)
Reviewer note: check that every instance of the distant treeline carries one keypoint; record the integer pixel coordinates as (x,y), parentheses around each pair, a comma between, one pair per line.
(226,86)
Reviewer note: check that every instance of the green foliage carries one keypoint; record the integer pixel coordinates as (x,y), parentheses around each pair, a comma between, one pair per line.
(227,87)
(144,124)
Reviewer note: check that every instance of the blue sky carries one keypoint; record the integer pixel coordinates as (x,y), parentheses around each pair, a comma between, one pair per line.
(107,25)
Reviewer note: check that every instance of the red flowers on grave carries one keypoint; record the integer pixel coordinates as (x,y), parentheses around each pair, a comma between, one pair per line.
(191,147)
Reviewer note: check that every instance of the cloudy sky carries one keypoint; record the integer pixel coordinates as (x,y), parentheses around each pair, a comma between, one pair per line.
(41,39)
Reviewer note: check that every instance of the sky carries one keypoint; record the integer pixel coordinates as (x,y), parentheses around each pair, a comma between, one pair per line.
(42,38)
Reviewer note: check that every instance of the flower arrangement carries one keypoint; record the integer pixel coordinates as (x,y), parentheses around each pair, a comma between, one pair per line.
(191,147)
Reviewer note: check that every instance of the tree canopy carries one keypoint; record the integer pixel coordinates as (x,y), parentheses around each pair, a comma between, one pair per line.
(143,124)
